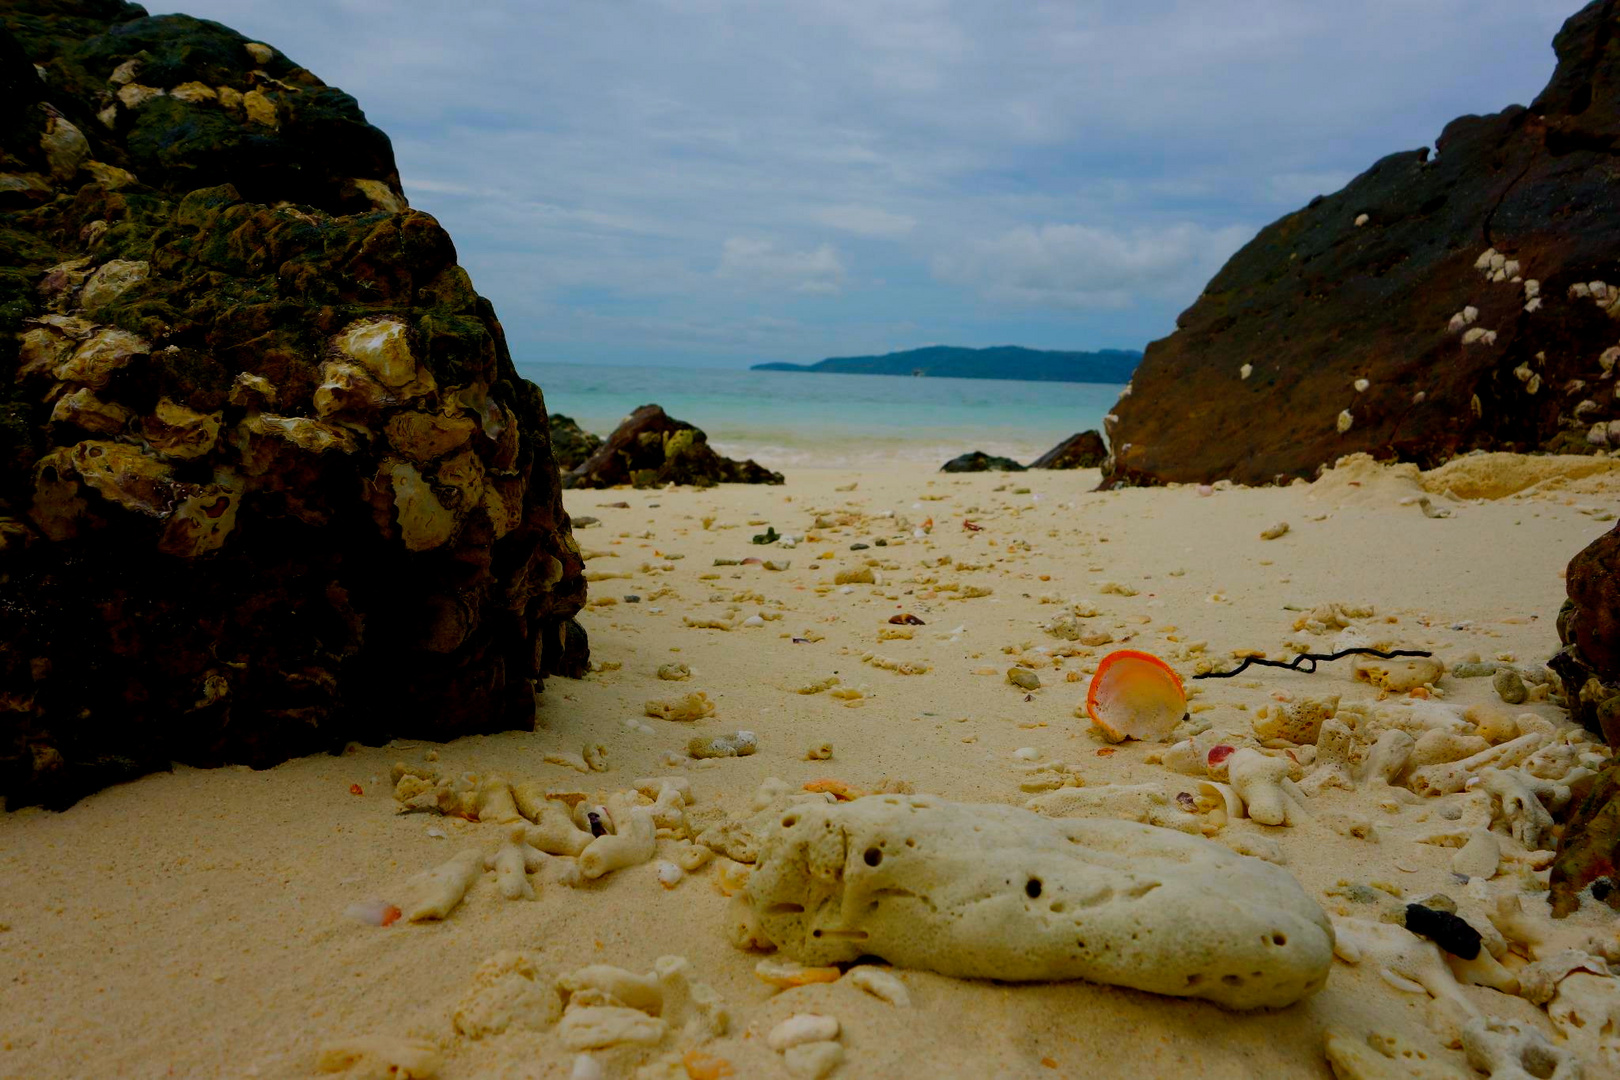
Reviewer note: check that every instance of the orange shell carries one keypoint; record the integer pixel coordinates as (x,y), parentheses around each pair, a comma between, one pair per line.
(701,1066)
(836,788)
(1135,695)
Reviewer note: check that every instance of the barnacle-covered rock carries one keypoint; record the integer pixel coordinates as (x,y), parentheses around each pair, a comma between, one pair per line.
(1442,341)
(571,444)
(269,481)
(650,449)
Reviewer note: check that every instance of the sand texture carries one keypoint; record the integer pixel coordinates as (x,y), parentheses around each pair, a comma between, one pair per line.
(194,924)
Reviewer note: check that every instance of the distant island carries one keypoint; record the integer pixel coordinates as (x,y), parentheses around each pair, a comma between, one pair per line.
(1000,362)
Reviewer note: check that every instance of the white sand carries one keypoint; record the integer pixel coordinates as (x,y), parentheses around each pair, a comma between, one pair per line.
(191,924)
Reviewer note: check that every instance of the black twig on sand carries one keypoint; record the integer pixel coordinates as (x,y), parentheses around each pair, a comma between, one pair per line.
(1299,662)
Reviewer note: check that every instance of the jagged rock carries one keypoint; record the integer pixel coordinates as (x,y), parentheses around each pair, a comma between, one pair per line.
(571,445)
(1593,584)
(1466,312)
(1590,847)
(269,480)
(650,449)
(1588,665)
(979,461)
(1085,450)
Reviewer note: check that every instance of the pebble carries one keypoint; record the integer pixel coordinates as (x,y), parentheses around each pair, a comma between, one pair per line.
(1438,901)
(669,875)
(881,985)
(802,1028)
(859,547)
(1446,930)
(819,752)
(813,1060)
(1026,753)
(1279,529)
(1473,669)
(787,975)
(1023,678)
(1510,687)
(737,744)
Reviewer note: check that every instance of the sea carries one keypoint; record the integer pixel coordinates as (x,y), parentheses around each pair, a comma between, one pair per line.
(785,419)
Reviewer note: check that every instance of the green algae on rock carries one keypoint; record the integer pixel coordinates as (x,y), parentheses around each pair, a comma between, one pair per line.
(651,449)
(269,481)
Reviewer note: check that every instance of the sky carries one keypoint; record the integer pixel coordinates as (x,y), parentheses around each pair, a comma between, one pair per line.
(725,182)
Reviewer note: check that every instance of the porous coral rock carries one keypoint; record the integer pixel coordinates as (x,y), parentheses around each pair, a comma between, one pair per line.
(507,993)
(1381,1056)
(1296,721)
(1263,784)
(1400,674)
(998,892)
(1406,962)
(435,893)
(1506,1051)
(1586,1011)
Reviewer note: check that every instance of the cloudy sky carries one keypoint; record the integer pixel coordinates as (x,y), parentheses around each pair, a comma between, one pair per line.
(721,182)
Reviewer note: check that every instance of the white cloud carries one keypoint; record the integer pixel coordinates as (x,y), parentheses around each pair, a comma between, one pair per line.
(1084,267)
(867,221)
(757,261)
(580,166)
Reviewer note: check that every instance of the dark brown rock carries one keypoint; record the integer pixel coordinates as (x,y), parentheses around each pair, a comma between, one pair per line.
(269,481)
(571,445)
(1083,451)
(1593,584)
(1316,302)
(1589,852)
(650,449)
(979,461)
(1588,665)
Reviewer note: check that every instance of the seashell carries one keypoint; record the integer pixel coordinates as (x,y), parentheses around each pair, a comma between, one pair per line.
(786,975)
(1135,695)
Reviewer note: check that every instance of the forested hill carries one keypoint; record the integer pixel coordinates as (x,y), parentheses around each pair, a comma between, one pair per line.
(1001,362)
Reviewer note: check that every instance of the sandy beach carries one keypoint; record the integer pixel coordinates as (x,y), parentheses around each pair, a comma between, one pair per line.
(193,924)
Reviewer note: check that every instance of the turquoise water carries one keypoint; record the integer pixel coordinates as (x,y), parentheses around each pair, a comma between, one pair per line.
(789,420)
